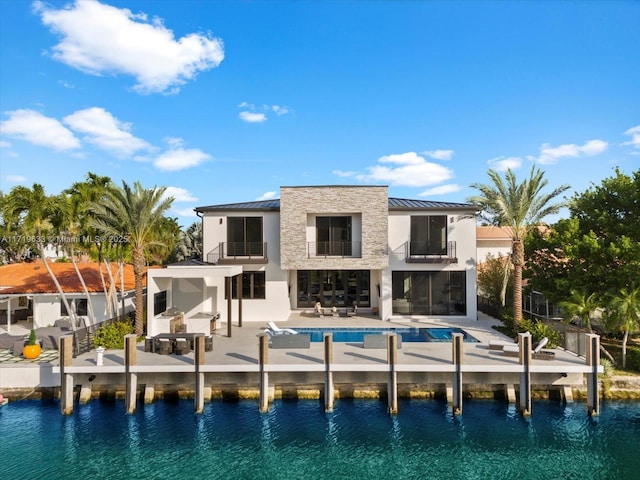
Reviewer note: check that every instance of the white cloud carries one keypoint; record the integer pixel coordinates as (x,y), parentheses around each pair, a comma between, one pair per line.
(502,164)
(411,170)
(252,117)
(180,158)
(343,173)
(102,39)
(184,212)
(37,129)
(105,131)
(267,196)
(634,133)
(16,178)
(439,154)
(441,190)
(549,154)
(5,144)
(280,110)
(179,194)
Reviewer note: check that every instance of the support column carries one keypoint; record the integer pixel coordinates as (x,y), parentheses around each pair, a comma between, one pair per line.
(239,285)
(593,360)
(229,309)
(263,354)
(392,359)
(524,341)
(65,355)
(199,380)
(457,343)
(329,390)
(131,378)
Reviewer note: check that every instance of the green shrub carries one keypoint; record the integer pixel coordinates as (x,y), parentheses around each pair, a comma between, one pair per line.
(633,358)
(112,335)
(538,331)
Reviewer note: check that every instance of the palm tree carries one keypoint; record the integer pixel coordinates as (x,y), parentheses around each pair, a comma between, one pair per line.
(132,215)
(190,243)
(36,208)
(516,208)
(581,305)
(625,314)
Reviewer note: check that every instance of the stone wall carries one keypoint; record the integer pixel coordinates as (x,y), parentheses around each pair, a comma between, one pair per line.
(298,203)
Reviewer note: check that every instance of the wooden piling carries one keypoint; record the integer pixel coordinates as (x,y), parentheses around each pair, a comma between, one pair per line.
(329,389)
(593,360)
(199,380)
(392,360)
(65,353)
(229,308)
(263,357)
(525,377)
(457,346)
(131,378)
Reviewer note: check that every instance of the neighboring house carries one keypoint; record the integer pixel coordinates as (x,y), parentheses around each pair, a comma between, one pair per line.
(342,246)
(27,292)
(493,240)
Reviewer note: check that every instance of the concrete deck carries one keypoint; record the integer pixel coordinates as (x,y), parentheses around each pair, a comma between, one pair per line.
(236,357)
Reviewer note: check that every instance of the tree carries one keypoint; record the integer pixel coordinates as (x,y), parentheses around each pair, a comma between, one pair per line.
(494,279)
(189,243)
(132,215)
(517,207)
(597,249)
(624,313)
(580,304)
(36,209)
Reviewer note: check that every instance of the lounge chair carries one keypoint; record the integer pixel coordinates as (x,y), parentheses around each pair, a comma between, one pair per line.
(538,353)
(278,331)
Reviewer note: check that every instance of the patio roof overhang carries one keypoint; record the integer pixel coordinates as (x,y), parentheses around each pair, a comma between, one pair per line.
(211,274)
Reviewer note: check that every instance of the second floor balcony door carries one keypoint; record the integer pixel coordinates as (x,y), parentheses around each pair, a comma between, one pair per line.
(244,236)
(428,235)
(333,235)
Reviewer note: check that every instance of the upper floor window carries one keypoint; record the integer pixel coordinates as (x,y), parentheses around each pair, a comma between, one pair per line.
(428,235)
(244,236)
(333,236)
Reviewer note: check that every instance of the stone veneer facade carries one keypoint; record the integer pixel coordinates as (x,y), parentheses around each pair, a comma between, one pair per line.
(297,203)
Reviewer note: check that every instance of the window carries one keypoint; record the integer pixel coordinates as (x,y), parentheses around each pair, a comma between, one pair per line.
(80,307)
(159,302)
(428,235)
(429,293)
(244,236)
(253,286)
(333,236)
(340,288)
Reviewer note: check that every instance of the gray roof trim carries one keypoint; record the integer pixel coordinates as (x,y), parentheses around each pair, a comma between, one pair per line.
(394,204)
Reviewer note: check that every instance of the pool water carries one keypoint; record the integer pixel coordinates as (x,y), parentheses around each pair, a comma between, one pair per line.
(408,334)
(298,440)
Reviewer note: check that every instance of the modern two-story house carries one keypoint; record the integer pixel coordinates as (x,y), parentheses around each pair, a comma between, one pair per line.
(342,246)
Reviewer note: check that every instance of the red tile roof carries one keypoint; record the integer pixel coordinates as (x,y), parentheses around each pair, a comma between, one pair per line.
(32,277)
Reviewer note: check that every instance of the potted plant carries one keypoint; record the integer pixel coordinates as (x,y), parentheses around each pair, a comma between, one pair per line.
(32,349)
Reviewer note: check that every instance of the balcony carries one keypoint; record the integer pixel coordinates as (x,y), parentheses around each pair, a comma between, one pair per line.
(430,252)
(334,249)
(234,253)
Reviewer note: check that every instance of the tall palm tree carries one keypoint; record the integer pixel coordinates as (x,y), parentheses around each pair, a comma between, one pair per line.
(36,209)
(624,312)
(132,215)
(516,207)
(582,305)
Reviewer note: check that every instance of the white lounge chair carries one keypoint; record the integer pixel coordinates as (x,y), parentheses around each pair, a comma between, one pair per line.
(278,331)
(537,352)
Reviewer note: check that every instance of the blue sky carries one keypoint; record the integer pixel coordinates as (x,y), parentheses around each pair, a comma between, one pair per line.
(226,101)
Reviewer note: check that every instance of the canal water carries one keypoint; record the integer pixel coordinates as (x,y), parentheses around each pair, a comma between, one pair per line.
(297,440)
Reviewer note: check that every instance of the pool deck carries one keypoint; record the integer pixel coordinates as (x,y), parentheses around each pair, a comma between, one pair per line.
(238,354)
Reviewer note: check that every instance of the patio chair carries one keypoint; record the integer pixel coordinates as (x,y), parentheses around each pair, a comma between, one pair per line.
(278,331)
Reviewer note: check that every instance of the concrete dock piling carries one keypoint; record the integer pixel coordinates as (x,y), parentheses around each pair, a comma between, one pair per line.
(131,378)
(593,360)
(329,389)
(65,351)
(392,360)
(524,340)
(263,357)
(457,346)
(199,374)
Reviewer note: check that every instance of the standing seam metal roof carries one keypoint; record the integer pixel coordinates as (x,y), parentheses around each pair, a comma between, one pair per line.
(394,204)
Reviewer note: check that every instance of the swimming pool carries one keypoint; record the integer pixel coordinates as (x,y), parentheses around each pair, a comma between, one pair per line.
(408,334)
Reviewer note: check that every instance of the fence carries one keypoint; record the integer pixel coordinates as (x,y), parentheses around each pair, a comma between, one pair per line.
(572,338)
